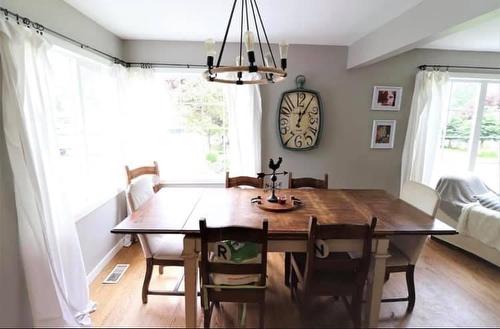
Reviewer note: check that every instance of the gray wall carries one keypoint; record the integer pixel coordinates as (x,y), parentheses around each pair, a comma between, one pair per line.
(344,151)
(93,230)
(61,17)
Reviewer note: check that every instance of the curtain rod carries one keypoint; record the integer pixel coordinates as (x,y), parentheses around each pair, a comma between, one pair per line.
(424,67)
(39,28)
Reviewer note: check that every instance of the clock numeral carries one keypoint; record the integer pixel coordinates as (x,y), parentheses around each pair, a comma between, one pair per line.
(292,135)
(298,141)
(285,111)
(300,99)
(288,101)
(309,140)
(312,129)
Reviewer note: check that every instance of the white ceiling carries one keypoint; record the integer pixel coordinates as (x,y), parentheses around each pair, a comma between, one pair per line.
(481,36)
(327,22)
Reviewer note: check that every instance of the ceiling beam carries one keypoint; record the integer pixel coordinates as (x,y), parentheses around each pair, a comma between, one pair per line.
(428,21)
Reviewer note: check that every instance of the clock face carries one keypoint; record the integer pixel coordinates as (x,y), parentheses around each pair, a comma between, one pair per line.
(299,119)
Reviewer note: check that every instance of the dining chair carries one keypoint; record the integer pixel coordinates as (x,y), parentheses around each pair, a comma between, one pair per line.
(303,182)
(154,171)
(158,249)
(405,250)
(238,181)
(307,182)
(319,272)
(231,278)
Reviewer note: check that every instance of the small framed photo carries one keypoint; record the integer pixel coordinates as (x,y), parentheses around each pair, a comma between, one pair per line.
(383,133)
(386,98)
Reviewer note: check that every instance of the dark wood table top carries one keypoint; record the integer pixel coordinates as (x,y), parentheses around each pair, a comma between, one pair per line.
(178,210)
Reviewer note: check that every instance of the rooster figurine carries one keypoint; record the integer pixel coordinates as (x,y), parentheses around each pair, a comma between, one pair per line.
(273,166)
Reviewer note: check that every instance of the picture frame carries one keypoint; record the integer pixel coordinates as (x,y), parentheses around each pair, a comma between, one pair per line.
(383,134)
(386,98)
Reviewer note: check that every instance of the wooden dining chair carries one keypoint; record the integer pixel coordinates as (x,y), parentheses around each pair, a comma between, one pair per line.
(307,182)
(153,170)
(405,250)
(238,181)
(158,249)
(225,280)
(303,182)
(319,272)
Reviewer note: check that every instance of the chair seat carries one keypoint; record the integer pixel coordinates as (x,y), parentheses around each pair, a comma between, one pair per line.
(166,246)
(398,258)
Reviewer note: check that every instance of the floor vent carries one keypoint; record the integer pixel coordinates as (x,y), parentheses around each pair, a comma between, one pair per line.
(116,274)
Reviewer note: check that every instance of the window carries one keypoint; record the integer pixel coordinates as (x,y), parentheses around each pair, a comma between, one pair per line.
(471,138)
(85,109)
(106,117)
(183,126)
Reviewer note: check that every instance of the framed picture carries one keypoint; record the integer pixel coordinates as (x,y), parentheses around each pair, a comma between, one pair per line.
(386,98)
(383,133)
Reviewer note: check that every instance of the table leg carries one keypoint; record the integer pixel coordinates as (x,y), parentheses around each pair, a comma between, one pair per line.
(190,275)
(376,284)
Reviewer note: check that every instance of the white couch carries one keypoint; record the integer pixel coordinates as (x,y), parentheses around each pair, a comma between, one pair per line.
(457,195)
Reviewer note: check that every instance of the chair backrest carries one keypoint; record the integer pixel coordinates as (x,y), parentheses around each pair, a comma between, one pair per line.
(420,196)
(146,170)
(139,191)
(307,182)
(211,235)
(357,267)
(244,181)
(425,199)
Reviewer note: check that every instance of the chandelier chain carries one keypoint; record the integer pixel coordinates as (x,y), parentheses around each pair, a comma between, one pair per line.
(225,35)
(258,33)
(265,33)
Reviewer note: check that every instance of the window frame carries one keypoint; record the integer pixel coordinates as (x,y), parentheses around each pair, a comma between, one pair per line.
(474,138)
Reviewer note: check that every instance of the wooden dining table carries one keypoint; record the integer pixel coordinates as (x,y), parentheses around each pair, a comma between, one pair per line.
(178,211)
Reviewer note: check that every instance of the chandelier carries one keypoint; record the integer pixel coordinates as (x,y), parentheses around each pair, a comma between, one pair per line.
(247,72)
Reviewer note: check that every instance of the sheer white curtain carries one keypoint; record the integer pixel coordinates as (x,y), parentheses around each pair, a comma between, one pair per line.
(428,108)
(50,250)
(244,121)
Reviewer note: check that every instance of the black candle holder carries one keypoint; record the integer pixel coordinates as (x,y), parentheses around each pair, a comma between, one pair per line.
(274,167)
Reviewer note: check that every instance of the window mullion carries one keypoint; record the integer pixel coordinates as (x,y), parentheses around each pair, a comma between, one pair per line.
(476,129)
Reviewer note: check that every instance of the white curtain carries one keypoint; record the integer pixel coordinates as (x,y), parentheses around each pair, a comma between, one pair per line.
(245,113)
(50,250)
(428,108)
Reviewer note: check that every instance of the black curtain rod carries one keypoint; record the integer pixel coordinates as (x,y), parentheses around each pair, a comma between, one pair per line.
(41,29)
(465,67)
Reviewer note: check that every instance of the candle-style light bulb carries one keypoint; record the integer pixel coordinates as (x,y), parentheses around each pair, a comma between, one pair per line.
(283,53)
(210,49)
(249,40)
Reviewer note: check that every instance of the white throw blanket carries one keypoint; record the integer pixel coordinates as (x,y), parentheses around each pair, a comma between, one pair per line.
(480,223)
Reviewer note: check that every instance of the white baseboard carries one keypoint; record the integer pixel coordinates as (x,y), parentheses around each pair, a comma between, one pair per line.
(109,256)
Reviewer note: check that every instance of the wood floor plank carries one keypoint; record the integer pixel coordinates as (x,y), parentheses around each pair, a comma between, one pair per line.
(453,289)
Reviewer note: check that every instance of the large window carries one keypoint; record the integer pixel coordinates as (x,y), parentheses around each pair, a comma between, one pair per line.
(471,137)
(180,120)
(107,117)
(86,137)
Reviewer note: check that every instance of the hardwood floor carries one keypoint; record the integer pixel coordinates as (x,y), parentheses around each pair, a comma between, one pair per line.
(453,290)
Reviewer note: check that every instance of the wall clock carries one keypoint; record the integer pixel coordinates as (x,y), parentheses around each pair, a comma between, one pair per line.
(300,117)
